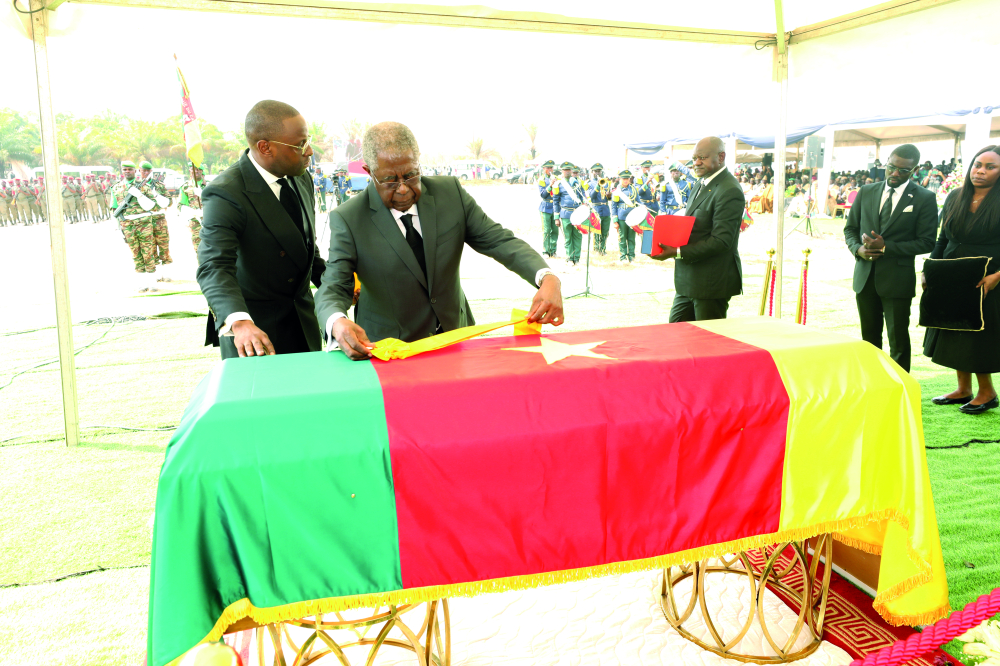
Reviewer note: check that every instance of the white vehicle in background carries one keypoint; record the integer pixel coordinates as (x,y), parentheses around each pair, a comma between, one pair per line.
(172,180)
(473,169)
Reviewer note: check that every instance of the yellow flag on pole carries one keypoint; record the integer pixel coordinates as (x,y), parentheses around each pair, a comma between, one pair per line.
(192,133)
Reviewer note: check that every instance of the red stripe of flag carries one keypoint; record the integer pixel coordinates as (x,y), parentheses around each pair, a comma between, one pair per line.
(504,465)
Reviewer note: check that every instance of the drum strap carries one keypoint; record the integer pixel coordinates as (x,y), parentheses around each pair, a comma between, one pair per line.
(570,190)
(626,199)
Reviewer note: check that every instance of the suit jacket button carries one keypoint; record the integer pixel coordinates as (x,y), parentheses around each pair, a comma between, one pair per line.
(434,300)
(291,279)
(281,254)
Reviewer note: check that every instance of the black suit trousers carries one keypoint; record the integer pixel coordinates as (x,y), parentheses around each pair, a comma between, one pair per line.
(698,309)
(873,309)
(286,335)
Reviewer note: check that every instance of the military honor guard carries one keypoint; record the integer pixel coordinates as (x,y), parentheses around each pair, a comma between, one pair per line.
(5,202)
(599,193)
(623,201)
(683,181)
(92,194)
(191,199)
(40,199)
(567,196)
(550,229)
(161,234)
(24,197)
(132,201)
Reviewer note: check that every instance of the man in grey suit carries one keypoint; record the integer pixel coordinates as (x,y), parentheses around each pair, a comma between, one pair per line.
(708,271)
(258,250)
(889,224)
(403,237)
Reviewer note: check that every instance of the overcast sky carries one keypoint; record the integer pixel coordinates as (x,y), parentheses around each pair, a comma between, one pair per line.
(588,95)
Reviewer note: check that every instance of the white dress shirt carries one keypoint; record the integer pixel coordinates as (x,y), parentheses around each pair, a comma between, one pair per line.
(415,221)
(272,182)
(897,194)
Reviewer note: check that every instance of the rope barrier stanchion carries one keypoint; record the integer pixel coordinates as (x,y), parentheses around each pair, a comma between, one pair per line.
(768,286)
(800,307)
(774,277)
(936,635)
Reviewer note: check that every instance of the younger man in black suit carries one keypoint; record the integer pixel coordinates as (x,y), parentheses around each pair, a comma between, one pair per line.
(889,224)
(258,241)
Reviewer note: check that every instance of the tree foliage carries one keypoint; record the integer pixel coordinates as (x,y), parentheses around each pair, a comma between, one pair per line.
(532,131)
(478,151)
(19,140)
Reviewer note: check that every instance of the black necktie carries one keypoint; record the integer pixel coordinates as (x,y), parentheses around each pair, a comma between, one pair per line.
(886,212)
(290,202)
(414,240)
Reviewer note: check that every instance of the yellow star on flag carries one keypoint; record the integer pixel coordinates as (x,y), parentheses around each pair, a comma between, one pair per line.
(553,350)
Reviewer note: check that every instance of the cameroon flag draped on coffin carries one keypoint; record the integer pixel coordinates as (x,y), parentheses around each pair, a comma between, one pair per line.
(310,483)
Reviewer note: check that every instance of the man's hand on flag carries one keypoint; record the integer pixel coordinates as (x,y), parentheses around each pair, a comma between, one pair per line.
(547,306)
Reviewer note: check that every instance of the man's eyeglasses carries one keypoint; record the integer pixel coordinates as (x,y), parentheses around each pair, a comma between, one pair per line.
(889,168)
(394,184)
(302,149)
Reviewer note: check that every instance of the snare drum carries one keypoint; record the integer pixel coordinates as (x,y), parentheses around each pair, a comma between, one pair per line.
(637,218)
(579,218)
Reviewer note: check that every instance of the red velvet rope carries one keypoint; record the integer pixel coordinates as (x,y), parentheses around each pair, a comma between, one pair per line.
(937,634)
(805,293)
(770,307)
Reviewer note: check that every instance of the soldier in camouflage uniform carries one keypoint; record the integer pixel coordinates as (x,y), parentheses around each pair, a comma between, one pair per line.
(5,201)
(191,197)
(161,235)
(136,224)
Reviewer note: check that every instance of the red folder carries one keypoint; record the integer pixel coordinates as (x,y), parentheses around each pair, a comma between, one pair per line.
(672,231)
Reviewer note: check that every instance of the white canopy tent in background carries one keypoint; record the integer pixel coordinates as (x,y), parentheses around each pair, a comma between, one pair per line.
(763,66)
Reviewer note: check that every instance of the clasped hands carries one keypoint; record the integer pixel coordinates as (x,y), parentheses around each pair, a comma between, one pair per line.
(873,248)
(546,308)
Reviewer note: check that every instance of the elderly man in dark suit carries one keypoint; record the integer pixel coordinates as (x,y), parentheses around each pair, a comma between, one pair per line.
(708,271)
(258,249)
(403,237)
(889,224)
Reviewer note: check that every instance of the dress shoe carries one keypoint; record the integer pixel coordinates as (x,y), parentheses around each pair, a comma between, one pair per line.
(980,409)
(941,400)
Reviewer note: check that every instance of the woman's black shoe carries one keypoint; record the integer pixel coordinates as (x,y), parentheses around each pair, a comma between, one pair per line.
(979,409)
(941,400)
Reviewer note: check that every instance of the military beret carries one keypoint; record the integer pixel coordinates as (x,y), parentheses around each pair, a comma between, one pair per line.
(566,166)
(624,173)
(647,163)
(548,163)
(597,165)
(146,165)
(128,164)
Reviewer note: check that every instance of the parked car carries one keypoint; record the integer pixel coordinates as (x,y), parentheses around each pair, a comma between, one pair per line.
(172,180)
(526,175)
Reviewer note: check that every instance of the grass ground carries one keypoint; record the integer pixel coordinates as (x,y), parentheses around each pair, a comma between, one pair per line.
(65,512)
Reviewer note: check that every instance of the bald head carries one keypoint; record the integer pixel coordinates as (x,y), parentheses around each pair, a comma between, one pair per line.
(709,156)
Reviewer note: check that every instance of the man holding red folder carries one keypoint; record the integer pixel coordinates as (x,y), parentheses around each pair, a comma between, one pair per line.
(707,269)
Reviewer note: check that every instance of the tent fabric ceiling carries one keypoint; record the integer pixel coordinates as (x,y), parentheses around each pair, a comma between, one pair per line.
(741,22)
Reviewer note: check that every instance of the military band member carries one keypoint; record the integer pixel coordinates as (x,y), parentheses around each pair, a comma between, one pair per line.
(567,195)
(550,228)
(646,182)
(161,235)
(135,222)
(599,192)
(684,181)
(191,198)
(623,201)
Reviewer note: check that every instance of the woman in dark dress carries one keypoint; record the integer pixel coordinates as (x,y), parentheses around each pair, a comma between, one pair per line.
(970,227)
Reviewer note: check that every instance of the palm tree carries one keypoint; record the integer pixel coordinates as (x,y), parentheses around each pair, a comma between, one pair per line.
(19,140)
(80,141)
(141,139)
(478,152)
(322,143)
(532,131)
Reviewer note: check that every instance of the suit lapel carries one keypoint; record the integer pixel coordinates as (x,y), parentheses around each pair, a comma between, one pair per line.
(693,198)
(875,207)
(905,199)
(386,224)
(427,212)
(272,214)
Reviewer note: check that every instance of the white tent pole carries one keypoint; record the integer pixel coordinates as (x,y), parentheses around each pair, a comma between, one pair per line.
(823,175)
(731,153)
(57,229)
(781,74)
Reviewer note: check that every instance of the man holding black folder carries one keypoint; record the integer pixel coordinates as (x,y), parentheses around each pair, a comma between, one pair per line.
(707,270)
(889,224)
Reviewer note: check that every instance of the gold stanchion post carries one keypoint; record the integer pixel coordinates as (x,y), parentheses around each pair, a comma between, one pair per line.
(767,282)
(800,306)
